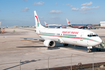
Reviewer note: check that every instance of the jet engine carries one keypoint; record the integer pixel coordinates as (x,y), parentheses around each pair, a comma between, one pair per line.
(49,43)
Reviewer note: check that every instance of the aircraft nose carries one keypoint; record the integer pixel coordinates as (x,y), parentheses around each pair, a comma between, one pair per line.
(100,40)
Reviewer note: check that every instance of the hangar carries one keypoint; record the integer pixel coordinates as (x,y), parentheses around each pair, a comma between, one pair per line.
(102,23)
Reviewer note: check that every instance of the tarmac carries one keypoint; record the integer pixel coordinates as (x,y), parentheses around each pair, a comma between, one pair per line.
(19,54)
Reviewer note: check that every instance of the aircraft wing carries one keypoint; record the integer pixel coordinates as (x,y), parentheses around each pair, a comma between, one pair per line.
(40,39)
(27,29)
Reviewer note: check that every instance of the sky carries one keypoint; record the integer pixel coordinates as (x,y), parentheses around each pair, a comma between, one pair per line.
(21,12)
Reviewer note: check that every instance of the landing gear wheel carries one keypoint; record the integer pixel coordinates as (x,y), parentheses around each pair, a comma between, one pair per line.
(65,44)
(89,51)
(50,48)
(89,47)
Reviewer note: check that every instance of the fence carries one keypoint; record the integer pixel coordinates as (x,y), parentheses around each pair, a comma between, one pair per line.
(54,62)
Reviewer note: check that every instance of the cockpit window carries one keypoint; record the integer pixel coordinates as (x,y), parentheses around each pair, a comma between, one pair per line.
(92,35)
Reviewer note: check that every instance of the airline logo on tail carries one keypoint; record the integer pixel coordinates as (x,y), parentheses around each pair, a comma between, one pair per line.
(45,23)
(37,21)
(68,22)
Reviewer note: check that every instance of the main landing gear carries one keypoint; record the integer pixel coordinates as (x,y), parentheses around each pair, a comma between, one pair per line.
(65,44)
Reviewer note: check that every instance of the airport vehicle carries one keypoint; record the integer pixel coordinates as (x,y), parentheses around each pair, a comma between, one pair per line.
(66,36)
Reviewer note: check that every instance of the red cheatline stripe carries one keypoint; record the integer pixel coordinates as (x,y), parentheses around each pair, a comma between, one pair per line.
(69,37)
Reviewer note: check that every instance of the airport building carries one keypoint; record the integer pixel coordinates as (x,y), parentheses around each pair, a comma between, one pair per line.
(102,23)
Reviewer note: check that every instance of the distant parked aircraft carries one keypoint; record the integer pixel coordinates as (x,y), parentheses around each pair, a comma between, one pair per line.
(68,22)
(80,26)
(45,24)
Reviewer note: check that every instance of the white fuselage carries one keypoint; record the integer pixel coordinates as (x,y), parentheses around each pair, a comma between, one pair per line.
(66,36)
(70,36)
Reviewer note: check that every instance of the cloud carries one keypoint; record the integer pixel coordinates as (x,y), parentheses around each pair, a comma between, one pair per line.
(55,12)
(41,17)
(25,9)
(84,8)
(87,4)
(95,7)
(67,4)
(25,0)
(75,9)
(56,3)
(71,6)
(55,17)
(39,3)
(87,12)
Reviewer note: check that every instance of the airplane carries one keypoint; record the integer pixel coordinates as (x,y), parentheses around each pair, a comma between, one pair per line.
(67,36)
(52,25)
(80,26)
(45,24)
(68,22)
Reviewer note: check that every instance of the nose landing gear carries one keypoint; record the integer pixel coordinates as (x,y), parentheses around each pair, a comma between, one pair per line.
(89,49)
(102,45)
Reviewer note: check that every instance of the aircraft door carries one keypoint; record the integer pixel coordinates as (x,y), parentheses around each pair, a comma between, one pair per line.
(83,40)
(81,36)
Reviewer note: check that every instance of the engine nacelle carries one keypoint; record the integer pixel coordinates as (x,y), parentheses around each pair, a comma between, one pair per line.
(49,43)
